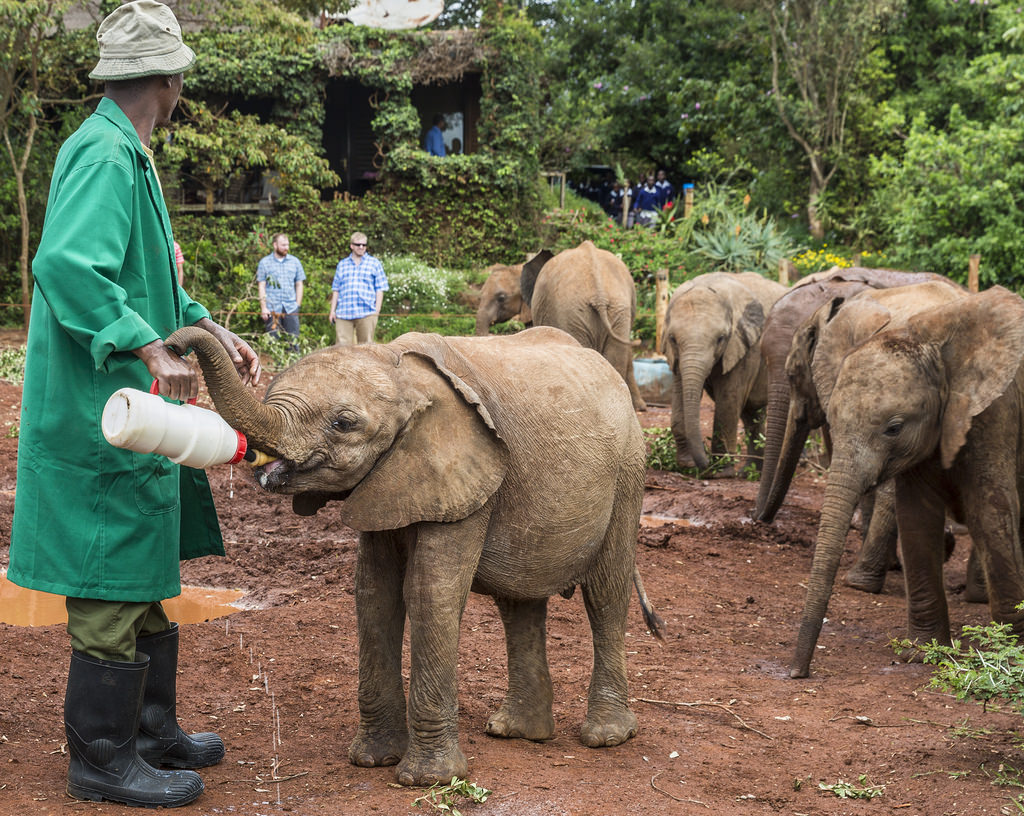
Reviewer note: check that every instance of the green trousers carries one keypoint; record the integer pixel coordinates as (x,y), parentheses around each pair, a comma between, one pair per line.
(107,630)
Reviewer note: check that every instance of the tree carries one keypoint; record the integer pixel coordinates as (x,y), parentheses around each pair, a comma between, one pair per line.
(213,148)
(818,48)
(28,57)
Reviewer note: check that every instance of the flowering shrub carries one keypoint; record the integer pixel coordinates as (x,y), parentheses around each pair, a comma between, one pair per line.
(818,260)
(426,294)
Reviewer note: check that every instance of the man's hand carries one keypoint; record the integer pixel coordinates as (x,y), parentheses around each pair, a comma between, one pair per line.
(245,360)
(177,379)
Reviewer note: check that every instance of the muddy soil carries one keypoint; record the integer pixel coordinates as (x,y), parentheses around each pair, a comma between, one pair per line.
(723,730)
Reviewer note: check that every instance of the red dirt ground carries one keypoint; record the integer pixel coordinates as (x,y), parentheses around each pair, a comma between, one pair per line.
(723,730)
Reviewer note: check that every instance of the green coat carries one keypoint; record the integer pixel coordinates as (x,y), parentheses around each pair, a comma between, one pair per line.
(92,520)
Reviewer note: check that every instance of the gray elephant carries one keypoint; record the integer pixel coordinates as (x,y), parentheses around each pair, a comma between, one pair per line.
(785,317)
(712,341)
(501,298)
(462,473)
(817,349)
(589,293)
(937,405)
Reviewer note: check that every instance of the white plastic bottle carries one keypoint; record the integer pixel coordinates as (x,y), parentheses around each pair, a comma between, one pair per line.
(186,434)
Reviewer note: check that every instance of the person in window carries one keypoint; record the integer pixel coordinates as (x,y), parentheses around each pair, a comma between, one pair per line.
(434,141)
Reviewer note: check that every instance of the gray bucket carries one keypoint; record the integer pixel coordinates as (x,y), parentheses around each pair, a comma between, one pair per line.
(653,379)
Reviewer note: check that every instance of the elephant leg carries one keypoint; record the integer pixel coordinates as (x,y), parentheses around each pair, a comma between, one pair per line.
(878,550)
(621,357)
(996,539)
(976,590)
(441,565)
(753,432)
(382,736)
(606,595)
(526,711)
(921,515)
(723,437)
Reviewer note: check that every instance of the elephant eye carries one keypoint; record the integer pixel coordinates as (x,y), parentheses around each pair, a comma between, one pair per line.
(894,427)
(345,423)
(502,296)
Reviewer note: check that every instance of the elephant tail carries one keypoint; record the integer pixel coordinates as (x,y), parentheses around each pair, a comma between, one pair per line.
(655,625)
(601,307)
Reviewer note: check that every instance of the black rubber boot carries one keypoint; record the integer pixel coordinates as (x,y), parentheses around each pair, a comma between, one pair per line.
(161,740)
(101,719)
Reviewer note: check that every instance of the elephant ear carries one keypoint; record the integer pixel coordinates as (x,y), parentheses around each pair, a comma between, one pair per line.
(531,269)
(448,459)
(842,324)
(747,324)
(981,340)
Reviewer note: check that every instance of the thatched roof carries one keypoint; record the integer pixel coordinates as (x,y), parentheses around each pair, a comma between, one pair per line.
(445,57)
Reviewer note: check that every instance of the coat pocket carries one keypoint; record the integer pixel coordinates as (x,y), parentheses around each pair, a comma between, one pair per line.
(156,484)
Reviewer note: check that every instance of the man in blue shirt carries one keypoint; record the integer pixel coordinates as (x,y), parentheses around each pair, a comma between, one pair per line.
(280,276)
(434,142)
(357,293)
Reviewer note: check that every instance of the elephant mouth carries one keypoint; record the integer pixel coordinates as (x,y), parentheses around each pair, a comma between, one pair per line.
(278,475)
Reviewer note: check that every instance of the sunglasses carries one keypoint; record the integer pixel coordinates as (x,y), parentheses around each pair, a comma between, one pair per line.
(358,244)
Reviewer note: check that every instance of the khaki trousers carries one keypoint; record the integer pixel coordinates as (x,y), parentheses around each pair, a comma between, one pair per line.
(107,630)
(355,332)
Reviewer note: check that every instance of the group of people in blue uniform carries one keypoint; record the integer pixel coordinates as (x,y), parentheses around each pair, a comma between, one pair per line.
(644,199)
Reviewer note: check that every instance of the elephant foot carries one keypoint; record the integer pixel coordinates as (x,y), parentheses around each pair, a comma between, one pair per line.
(519,723)
(864,580)
(639,405)
(610,727)
(423,770)
(383,748)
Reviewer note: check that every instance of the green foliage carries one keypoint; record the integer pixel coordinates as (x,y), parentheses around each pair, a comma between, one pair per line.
(743,243)
(955,193)
(12,365)
(848,790)
(444,798)
(213,149)
(989,668)
(661,449)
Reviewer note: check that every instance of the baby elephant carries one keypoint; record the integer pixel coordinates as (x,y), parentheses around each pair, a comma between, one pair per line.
(509,466)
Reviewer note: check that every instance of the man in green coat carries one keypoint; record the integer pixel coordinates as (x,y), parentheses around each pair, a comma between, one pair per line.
(104,526)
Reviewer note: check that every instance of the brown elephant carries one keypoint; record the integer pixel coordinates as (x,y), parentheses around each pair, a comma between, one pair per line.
(462,473)
(501,298)
(936,404)
(817,349)
(782,322)
(589,293)
(712,341)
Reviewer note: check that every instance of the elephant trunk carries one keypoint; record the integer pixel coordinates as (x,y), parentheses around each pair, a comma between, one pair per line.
(692,374)
(794,436)
(841,498)
(484,318)
(261,424)
(776,412)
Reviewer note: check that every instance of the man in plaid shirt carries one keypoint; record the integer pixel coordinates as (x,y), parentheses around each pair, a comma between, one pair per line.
(356,294)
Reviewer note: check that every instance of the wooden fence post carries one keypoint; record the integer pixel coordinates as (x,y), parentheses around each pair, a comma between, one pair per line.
(784,271)
(687,200)
(661,295)
(972,272)
(627,202)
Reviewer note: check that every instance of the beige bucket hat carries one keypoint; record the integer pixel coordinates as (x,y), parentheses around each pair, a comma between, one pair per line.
(141,39)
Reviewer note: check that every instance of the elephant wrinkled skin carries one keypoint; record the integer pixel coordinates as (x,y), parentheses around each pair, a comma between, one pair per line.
(589,293)
(508,466)
(936,404)
(712,340)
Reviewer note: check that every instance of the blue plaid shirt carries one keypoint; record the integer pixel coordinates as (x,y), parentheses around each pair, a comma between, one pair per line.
(357,286)
(280,277)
